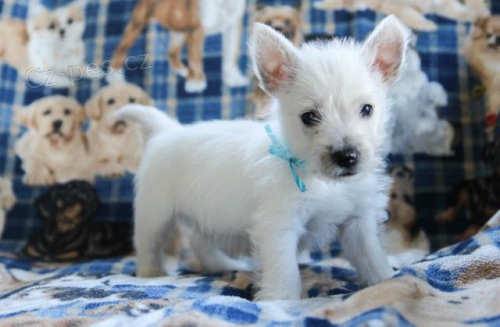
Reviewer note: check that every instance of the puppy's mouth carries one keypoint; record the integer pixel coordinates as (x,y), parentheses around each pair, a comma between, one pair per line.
(347,173)
(332,172)
(494,42)
(56,135)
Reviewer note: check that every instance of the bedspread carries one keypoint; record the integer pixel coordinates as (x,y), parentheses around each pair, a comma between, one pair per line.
(443,289)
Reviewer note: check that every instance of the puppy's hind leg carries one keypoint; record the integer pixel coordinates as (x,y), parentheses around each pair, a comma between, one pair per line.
(152,222)
(214,259)
(361,246)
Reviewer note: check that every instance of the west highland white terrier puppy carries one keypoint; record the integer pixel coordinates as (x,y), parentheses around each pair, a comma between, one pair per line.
(315,170)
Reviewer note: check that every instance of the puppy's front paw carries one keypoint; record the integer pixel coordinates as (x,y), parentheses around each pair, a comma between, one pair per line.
(110,169)
(195,86)
(150,272)
(39,179)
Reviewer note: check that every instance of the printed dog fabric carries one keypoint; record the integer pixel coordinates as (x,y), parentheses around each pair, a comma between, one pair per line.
(98,32)
(458,285)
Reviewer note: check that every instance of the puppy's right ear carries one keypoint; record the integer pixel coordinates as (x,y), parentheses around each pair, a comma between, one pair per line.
(36,9)
(274,57)
(93,107)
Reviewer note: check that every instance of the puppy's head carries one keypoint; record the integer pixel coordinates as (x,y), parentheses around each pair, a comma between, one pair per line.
(56,118)
(284,19)
(66,207)
(63,24)
(487,30)
(332,96)
(112,98)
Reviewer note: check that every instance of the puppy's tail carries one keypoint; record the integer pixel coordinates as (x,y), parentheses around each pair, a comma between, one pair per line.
(153,120)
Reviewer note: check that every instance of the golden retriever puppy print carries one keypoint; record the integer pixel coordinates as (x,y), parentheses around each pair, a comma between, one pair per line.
(115,145)
(54,149)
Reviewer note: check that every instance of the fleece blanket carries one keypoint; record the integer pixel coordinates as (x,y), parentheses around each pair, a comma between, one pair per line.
(458,285)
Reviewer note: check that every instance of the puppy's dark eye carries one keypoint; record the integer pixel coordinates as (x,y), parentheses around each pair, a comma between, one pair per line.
(287,22)
(47,112)
(67,112)
(131,100)
(111,101)
(366,110)
(52,26)
(70,21)
(269,22)
(311,118)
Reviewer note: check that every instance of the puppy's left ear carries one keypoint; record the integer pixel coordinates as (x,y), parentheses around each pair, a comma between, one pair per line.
(21,115)
(274,57)
(385,48)
(81,115)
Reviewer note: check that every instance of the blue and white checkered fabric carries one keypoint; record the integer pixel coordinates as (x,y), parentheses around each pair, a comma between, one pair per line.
(458,285)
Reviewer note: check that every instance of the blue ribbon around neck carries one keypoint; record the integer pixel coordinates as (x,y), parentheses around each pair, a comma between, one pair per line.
(280,150)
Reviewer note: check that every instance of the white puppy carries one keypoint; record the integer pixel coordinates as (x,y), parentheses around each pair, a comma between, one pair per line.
(323,172)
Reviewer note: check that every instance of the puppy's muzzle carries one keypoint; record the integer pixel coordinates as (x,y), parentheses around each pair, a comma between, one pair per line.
(119,126)
(284,31)
(346,158)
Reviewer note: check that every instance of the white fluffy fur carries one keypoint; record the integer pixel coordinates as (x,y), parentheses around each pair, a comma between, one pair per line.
(219,176)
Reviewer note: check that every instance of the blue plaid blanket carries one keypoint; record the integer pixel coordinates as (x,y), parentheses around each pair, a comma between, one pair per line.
(458,285)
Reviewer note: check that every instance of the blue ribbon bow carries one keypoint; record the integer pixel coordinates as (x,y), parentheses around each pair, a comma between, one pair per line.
(280,150)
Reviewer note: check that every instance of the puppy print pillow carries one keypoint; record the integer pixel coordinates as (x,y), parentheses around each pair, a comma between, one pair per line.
(47,47)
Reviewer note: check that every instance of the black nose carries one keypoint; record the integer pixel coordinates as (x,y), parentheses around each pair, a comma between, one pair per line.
(278,29)
(62,32)
(57,124)
(346,158)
